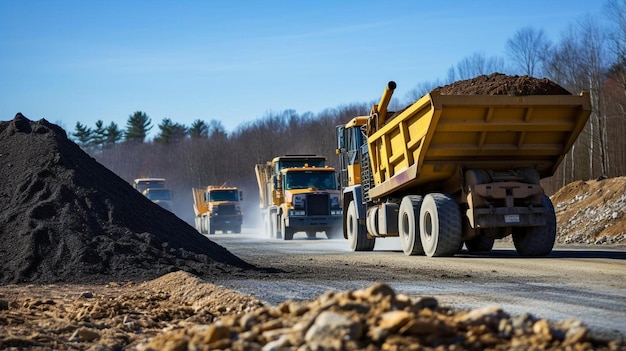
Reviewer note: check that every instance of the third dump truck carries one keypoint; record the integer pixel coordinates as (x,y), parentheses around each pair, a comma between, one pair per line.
(299,193)
(454,170)
(217,208)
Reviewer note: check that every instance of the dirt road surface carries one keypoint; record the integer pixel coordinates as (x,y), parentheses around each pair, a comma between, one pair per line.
(587,283)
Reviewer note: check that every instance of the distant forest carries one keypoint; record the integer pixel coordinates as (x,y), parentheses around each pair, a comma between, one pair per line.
(588,56)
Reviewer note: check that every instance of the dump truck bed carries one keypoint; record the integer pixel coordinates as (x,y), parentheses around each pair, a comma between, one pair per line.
(199,206)
(263,173)
(428,141)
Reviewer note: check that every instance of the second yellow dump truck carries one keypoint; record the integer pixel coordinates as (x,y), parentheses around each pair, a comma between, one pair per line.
(299,193)
(217,208)
(454,170)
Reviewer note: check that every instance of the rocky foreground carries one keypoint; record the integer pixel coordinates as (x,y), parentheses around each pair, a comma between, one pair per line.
(179,312)
(377,318)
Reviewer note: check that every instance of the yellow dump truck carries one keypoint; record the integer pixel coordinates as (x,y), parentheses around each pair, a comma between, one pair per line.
(299,193)
(454,170)
(217,208)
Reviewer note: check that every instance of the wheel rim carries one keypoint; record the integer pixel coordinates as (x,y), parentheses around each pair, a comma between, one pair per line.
(428,226)
(404,227)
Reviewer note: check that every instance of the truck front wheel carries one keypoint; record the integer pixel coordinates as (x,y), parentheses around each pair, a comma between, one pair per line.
(440,225)
(537,241)
(408,225)
(357,235)
(286,231)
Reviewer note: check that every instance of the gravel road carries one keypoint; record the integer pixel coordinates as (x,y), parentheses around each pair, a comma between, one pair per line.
(584,283)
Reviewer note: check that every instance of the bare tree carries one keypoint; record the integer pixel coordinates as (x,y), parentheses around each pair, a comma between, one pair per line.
(422,89)
(578,62)
(478,64)
(526,50)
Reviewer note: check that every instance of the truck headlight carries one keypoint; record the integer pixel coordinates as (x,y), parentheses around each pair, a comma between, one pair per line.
(297,212)
(298,200)
(334,201)
(335,212)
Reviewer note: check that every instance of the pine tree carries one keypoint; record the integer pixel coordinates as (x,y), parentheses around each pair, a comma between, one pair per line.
(199,129)
(83,135)
(137,127)
(113,135)
(99,135)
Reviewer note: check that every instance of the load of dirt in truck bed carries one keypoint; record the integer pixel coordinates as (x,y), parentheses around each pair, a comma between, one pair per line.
(502,84)
(66,218)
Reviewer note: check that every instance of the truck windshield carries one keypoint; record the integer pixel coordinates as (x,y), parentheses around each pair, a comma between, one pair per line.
(224,195)
(149,184)
(159,194)
(310,179)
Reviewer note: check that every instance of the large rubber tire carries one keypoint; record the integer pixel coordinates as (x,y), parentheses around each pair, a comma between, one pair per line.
(408,225)
(537,241)
(284,230)
(207,224)
(272,225)
(198,222)
(311,235)
(237,229)
(357,235)
(479,243)
(440,225)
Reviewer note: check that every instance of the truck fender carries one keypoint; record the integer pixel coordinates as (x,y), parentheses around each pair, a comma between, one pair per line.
(353,193)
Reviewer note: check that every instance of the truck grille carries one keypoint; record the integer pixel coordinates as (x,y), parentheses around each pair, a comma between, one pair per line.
(317,204)
(226,210)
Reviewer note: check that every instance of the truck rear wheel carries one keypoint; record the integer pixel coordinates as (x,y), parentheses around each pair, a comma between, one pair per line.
(440,225)
(272,225)
(537,241)
(311,235)
(198,222)
(408,225)
(357,235)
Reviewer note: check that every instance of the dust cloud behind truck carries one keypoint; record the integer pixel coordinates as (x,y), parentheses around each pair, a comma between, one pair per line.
(454,170)
(299,193)
(217,208)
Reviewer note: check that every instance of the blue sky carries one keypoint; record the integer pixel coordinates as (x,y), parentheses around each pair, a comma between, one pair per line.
(236,61)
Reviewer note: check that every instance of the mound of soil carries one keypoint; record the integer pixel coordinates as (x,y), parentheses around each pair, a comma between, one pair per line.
(112,316)
(502,84)
(66,218)
(591,212)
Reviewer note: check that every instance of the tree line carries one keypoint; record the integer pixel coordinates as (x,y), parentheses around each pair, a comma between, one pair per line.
(587,57)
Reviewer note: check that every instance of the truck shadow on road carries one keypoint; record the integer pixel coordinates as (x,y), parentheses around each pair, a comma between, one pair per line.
(556,253)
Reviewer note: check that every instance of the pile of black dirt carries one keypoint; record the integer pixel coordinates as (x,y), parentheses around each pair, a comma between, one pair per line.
(502,84)
(65,218)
